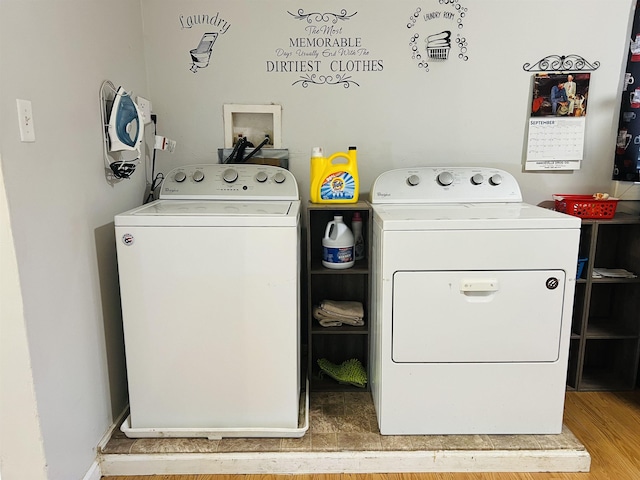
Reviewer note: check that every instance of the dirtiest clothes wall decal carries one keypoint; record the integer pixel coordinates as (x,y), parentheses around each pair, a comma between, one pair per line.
(325,50)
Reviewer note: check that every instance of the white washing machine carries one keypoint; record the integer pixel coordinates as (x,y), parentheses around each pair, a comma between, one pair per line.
(210,287)
(472,304)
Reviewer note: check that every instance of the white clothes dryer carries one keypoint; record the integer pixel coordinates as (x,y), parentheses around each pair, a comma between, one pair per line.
(210,289)
(472,303)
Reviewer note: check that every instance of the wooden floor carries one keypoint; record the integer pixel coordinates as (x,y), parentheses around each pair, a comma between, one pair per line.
(607,423)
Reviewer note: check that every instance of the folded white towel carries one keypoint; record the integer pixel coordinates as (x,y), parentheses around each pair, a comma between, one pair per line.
(329,322)
(343,308)
(328,319)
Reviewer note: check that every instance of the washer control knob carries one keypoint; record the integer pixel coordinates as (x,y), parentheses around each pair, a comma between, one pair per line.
(413,180)
(279,177)
(261,177)
(477,179)
(230,175)
(180,177)
(198,176)
(495,179)
(445,179)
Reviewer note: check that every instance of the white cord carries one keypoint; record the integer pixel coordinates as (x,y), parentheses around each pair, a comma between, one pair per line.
(633,184)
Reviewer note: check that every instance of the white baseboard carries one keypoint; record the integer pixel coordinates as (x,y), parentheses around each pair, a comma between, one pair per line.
(94,472)
(107,435)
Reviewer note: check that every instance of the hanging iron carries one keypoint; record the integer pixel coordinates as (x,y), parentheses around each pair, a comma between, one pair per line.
(126,126)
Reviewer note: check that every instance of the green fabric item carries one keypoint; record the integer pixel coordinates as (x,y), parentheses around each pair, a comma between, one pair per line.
(350,371)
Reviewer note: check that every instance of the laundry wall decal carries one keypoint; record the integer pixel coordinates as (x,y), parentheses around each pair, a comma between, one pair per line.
(215,25)
(436,32)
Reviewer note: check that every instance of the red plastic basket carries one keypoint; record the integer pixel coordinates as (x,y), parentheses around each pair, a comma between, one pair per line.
(585,206)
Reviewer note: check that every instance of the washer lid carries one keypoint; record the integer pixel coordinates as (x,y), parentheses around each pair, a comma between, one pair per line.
(212,213)
(470,216)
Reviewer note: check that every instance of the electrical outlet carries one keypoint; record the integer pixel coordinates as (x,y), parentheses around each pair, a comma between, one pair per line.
(25,121)
(145,109)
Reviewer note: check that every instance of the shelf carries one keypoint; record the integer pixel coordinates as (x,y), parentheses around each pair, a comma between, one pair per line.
(359,268)
(605,333)
(336,344)
(318,329)
(618,219)
(328,384)
(603,330)
(603,380)
(615,280)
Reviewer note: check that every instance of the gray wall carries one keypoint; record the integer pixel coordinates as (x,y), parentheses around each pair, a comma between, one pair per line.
(460,112)
(56,54)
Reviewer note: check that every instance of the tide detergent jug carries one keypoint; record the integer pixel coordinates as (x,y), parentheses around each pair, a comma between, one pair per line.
(334,179)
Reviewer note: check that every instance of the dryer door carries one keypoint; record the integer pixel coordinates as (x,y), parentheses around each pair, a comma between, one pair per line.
(477,316)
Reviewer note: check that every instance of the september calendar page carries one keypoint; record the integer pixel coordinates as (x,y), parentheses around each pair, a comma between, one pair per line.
(557,122)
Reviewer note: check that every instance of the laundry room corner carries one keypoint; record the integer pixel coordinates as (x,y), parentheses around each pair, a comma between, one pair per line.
(187,292)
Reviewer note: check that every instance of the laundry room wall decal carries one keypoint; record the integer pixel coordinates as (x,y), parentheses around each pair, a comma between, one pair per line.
(215,25)
(435,31)
(324,52)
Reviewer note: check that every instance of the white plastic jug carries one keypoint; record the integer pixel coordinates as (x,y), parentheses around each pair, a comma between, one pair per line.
(337,245)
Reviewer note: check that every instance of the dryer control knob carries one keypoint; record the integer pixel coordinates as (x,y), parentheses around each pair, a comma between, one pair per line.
(413,180)
(279,177)
(495,179)
(477,179)
(198,176)
(261,177)
(230,175)
(180,177)
(445,179)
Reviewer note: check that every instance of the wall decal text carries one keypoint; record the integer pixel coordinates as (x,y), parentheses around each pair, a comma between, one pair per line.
(325,51)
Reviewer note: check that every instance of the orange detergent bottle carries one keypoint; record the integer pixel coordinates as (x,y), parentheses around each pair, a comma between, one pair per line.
(334,179)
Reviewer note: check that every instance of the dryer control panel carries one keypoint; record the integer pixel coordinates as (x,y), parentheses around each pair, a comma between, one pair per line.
(229,182)
(445,185)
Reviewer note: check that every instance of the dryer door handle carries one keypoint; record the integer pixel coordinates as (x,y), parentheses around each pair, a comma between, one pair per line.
(479,286)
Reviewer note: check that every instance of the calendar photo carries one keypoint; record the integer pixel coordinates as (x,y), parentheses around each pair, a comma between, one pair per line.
(557,121)
(560,95)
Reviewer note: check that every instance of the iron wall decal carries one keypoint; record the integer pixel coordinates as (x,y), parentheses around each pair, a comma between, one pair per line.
(433,31)
(561,63)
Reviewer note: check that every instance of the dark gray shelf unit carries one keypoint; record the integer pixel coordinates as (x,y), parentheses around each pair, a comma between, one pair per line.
(605,336)
(336,344)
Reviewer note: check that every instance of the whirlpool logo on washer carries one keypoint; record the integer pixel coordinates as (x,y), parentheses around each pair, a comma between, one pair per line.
(128,239)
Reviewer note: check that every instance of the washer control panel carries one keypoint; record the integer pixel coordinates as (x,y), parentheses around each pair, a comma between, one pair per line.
(229,182)
(445,185)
